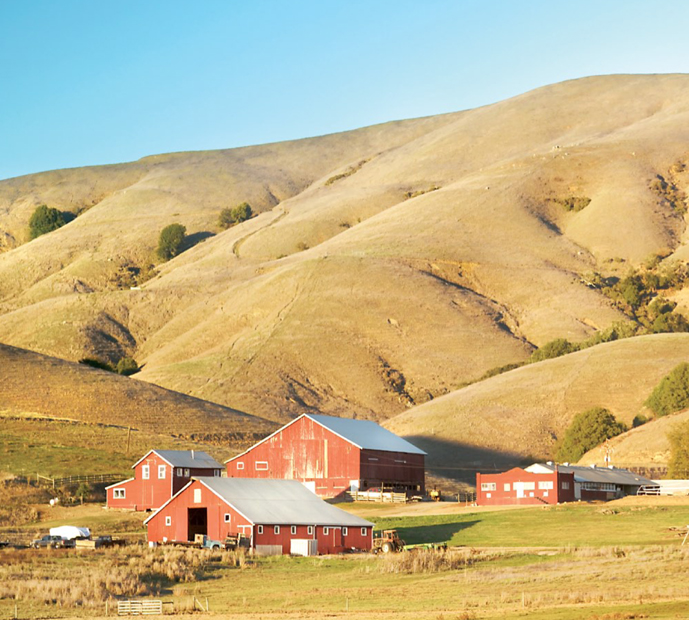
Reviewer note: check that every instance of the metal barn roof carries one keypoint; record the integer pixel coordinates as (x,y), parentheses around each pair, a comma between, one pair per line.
(192,459)
(365,434)
(610,475)
(279,502)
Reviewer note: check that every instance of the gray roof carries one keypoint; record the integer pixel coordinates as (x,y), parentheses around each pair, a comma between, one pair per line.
(365,434)
(610,475)
(192,459)
(279,502)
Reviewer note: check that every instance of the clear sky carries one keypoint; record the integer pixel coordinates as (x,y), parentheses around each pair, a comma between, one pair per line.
(86,82)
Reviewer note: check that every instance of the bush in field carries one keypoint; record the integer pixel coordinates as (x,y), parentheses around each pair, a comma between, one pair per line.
(127,366)
(588,430)
(170,241)
(679,451)
(44,220)
(554,348)
(231,216)
(672,393)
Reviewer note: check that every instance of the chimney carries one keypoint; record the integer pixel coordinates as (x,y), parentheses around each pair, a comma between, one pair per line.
(192,455)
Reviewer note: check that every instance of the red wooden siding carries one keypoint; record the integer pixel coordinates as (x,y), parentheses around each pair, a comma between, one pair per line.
(518,486)
(152,493)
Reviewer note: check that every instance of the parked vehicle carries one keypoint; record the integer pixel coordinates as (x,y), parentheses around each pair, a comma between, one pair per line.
(100,542)
(53,542)
(387,542)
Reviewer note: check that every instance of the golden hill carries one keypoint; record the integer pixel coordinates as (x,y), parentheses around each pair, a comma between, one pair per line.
(516,417)
(35,384)
(386,266)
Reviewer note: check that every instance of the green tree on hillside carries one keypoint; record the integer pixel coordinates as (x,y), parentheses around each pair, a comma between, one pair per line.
(554,348)
(126,366)
(170,241)
(679,451)
(44,220)
(672,393)
(230,216)
(588,430)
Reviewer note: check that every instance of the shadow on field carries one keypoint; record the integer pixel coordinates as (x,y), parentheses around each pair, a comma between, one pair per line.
(191,240)
(437,533)
(461,462)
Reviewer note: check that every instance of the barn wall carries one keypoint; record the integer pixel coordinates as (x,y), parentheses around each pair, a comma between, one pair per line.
(304,451)
(506,484)
(399,469)
(330,539)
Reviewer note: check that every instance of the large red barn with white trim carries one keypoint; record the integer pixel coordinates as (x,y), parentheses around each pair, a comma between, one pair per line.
(158,475)
(275,515)
(334,455)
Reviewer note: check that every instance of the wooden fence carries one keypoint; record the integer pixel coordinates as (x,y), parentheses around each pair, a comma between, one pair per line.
(140,608)
(55,482)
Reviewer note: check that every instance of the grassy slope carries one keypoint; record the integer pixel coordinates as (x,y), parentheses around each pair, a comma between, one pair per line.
(396,300)
(516,416)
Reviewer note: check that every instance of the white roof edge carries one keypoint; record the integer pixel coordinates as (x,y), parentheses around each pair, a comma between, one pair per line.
(119,483)
(334,432)
(282,428)
(149,452)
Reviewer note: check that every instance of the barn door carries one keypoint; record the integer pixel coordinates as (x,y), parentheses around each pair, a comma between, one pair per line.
(519,488)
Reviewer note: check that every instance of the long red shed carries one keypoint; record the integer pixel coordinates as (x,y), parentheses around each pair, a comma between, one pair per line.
(158,475)
(334,455)
(518,486)
(277,516)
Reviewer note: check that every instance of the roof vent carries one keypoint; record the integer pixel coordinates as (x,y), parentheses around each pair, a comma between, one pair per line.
(192,455)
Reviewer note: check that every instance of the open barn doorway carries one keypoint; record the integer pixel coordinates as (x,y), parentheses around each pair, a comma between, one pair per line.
(197,522)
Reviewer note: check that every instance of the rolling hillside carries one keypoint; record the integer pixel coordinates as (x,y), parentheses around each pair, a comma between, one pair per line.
(386,267)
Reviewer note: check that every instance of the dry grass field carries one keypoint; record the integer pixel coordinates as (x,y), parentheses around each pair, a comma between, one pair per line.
(385,269)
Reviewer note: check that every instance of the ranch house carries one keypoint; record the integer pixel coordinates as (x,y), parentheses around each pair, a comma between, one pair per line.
(333,455)
(158,475)
(276,516)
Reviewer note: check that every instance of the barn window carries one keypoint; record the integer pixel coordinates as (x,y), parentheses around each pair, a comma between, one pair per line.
(293,530)
(325,530)
(240,465)
(180,472)
(529,486)
(565,485)
(344,531)
(216,473)
(261,465)
(161,472)
(545,484)
(363,531)
(488,486)
(197,496)
(260,529)
(227,517)
(146,472)
(168,521)
(309,530)
(276,529)
(371,458)
(506,486)
(398,461)
(186,472)
(119,494)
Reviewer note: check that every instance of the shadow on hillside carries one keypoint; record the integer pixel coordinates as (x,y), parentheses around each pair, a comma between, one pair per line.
(438,533)
(194,239)
(461,462)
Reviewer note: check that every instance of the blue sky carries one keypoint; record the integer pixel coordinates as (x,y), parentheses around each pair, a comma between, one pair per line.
(85,82)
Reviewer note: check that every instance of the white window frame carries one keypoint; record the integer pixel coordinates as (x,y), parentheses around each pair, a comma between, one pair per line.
(180,472)
(545,485)
(309,530)
(325,531)
(344,531)
(161,470)
(565,485)
(259,529)
(119,493)
(240,465)
(364,531)
(197,496)
(488,486)
(145,472)
(186,472)
(261,463)
(168,521)
(276,529)
(506,486)
(227,518)
(293,530)
(216,473)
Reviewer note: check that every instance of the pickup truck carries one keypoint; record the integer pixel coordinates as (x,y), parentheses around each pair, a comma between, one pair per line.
(52,542)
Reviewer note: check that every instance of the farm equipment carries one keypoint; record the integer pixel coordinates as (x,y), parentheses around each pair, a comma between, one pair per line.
(436,495)
(387,542)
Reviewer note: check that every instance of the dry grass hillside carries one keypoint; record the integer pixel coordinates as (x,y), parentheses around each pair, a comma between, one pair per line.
(386,267)
(35,384)
(515,418)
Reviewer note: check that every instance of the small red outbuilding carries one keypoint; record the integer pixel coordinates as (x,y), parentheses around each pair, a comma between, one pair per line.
(334,455)
(158,475)
(518,486)
(277,516)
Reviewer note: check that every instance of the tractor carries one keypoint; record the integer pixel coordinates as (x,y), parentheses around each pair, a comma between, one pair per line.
(387,542)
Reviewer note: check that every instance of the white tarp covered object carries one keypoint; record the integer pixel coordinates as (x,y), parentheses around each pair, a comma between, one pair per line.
(70,531)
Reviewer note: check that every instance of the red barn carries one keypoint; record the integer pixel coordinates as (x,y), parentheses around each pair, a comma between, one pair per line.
(158,476)
(277,516)
(334,455)
(519,486)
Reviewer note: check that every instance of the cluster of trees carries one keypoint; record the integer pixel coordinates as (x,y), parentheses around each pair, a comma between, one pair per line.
(588,430)
(45,219)
(235,215)
(170,241)
(125,365)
